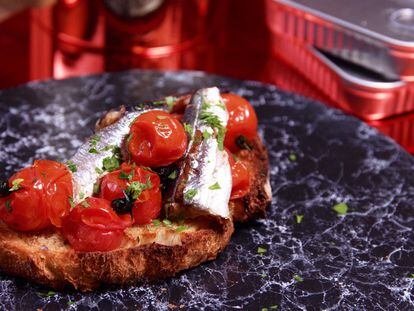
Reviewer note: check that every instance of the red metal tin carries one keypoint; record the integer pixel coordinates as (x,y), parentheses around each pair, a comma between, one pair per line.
(366,97)
(383,42)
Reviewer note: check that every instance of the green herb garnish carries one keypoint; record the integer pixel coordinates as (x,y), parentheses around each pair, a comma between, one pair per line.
(71,166)
(297,278)
(156,222)
(292,157)
(173,175)
(188,129)
(274,307)
(136,188)
(85,204)
(16,184)
(261,250)
(93,150)
(81,195)
(48,294)
(110,163)
(99,170)
(181,228)
(129,138)
(96,188)
(170,100)
(190,194)
(206,134)
(341,208)
(128,176)
(216,186)
(299,218)
(71,202)
(167,222)
(220,138)
(8,206)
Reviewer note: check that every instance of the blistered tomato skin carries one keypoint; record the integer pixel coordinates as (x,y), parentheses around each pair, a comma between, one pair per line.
(92,226)
(242,120)
(147,206)
(158,139)
(41,199)
(240,178)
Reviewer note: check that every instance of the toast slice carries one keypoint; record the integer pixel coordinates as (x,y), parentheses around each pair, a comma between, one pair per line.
(147,253)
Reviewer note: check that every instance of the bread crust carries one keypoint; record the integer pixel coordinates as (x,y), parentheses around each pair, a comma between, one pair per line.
(45,258)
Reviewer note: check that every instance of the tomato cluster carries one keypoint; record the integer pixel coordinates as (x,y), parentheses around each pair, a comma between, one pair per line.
(40,197)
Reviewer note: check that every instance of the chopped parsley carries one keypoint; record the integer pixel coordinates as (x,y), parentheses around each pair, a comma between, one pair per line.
(181,228)
(188,129)
(85,204)
(206,134)
(71,202)
(156,222)
(220,138)
(128,176)
(8,206)
(128,139)
(274,307)
(341,208)
(216,186)
(167,222)
(190,194)
(70,302)
(110,163)
(293,157)
(170,100)
(264,309)
(299,218)
(48,294)
(211,119)
(298,278)
(99,170)
(96,188)
(411,276)
(81,195)
(173,175)
(16,184)
(93,150)
(71,166)
(136,188)
(109,147)
(261,250)
(263,275)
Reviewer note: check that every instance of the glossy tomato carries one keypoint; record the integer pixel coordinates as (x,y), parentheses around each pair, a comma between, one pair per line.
(242,121)
(156,139)
(40,199)
(92,226)
(147,205)
(240,178)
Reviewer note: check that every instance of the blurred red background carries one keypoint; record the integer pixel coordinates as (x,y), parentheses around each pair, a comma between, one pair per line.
(226,37)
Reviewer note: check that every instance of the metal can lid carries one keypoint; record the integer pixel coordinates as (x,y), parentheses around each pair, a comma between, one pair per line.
(390,21)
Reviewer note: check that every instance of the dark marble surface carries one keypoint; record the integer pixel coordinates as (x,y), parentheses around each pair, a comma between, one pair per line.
(359,261)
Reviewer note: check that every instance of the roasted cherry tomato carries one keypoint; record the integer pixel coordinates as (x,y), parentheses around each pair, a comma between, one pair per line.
(93,226)
(158,139)
(240,178)
(41,197)
(242,121)
(147,206)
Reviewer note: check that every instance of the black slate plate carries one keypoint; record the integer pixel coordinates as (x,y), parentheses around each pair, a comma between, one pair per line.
(360,261)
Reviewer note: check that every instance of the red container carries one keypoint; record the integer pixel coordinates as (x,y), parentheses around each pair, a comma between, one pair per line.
(307,38)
